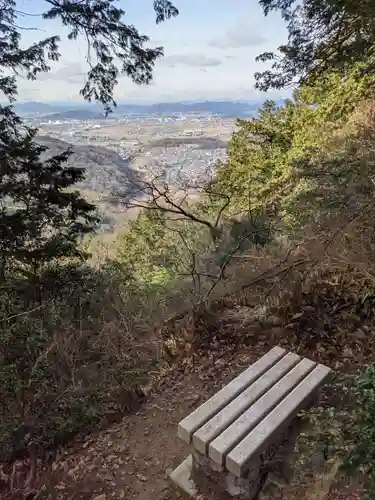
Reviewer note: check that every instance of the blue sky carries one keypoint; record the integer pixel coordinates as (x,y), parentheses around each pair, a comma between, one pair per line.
(210,52)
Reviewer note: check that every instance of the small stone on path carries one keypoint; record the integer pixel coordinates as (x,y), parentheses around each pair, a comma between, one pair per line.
(141,477)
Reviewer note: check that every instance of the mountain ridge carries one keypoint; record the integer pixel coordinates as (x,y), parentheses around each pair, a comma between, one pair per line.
(86,111)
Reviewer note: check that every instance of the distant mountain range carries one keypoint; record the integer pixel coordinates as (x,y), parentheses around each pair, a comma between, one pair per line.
(51,111)
(75,114)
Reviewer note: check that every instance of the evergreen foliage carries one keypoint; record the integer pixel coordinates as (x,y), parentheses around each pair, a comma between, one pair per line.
(323,36)
(40,219)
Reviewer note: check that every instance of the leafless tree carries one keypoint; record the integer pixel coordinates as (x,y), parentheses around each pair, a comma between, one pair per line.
(157,194)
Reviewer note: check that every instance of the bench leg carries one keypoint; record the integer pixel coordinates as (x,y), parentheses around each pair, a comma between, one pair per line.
(210,478)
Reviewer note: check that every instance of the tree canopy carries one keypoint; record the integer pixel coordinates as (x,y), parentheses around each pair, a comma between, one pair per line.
(40,217)
(113,47)
(298,161)
(323,35)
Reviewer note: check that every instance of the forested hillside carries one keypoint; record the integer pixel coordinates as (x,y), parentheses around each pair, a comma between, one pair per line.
(284,229)
(105,170)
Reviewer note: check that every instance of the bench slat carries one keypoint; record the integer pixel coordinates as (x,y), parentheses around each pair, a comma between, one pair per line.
(201,415)
(224,443)
(238,459)
(233,410)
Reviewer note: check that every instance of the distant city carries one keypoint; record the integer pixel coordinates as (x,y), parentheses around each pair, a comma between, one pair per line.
(182,141)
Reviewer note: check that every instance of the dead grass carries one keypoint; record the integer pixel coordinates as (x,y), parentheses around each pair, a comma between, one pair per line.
(77,362)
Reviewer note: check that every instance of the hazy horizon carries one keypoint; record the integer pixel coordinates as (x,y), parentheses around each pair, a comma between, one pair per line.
(138,102)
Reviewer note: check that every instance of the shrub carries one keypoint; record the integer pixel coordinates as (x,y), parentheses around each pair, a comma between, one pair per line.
(71,354)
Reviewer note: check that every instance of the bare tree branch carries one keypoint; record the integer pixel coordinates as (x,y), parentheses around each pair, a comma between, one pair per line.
(157,195)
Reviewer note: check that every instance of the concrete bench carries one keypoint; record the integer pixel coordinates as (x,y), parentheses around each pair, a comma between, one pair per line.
(237,431)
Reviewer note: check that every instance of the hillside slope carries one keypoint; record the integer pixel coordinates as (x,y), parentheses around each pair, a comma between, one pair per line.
(105,169)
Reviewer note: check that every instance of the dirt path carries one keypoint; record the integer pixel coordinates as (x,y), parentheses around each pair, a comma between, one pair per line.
(132,460)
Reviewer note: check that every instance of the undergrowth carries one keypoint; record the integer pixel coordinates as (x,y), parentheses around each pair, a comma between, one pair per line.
(75,351)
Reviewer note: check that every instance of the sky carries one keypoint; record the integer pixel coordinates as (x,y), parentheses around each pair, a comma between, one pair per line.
(210,51)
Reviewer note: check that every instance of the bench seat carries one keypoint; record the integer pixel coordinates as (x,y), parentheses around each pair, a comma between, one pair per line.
(241,421)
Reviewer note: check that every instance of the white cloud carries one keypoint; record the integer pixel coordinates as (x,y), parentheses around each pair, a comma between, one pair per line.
(233,79)
(198,60)
(215,60)
(237,37)
(70,72)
